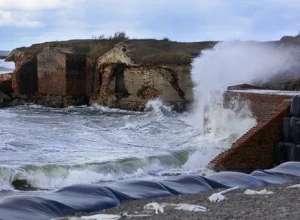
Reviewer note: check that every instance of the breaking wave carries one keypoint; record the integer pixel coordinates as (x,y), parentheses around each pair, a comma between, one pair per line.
(47,177)
(99,144)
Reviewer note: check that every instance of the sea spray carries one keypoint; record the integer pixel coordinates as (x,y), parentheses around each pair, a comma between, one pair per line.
(157,106)
(230,63)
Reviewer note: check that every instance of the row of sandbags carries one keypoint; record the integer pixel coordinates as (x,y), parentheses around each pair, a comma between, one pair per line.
(284,152)
(96,197)
(288,149)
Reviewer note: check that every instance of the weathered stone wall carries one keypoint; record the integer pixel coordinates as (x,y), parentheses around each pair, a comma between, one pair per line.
(90,76)
(115,55)
(76,74)
(14,75)
(51,73)
(131,87)
(254,150)
(185,81)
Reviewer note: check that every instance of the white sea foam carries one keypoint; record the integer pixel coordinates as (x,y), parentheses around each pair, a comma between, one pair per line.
(156,105)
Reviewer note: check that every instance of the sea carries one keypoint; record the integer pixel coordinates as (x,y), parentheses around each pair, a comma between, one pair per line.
(44,149)
(6,67)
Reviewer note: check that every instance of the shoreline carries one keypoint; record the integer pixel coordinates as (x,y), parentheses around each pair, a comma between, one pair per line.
(280,205)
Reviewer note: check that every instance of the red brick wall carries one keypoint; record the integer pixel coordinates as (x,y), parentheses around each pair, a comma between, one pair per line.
(89,77)
(105,80)
(51,73)
(254,150)
(260,104)
(94,71)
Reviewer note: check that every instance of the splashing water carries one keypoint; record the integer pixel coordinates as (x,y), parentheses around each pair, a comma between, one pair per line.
(227,64)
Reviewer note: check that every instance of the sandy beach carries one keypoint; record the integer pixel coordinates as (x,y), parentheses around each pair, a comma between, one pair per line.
(282,204)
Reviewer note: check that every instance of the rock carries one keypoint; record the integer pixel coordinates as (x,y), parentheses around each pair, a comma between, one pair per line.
(15,102)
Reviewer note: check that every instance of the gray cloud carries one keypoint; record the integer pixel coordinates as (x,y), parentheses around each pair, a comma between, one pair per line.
(187,20)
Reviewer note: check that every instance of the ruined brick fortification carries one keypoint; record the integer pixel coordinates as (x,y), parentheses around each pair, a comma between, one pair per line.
(115,81)
(131,86)
(254,150)
(57,77)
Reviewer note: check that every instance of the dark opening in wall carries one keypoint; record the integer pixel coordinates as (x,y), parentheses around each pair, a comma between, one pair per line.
(120,88)
(75,74)
(27,78)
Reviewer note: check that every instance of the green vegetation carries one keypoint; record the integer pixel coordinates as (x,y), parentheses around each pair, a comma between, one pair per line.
(101,44)
(141,51)
(164,52)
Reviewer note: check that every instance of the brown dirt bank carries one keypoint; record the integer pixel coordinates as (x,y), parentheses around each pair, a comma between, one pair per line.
(283,204)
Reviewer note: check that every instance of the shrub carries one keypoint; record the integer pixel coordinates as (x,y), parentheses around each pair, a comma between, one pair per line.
(97,50)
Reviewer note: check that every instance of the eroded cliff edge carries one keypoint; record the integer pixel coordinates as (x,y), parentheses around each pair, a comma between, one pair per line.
(122,74)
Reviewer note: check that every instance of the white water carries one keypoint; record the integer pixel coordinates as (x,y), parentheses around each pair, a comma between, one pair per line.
(52,148)
(231,63)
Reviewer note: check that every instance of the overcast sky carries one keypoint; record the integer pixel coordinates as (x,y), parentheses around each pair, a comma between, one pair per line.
(24,22)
